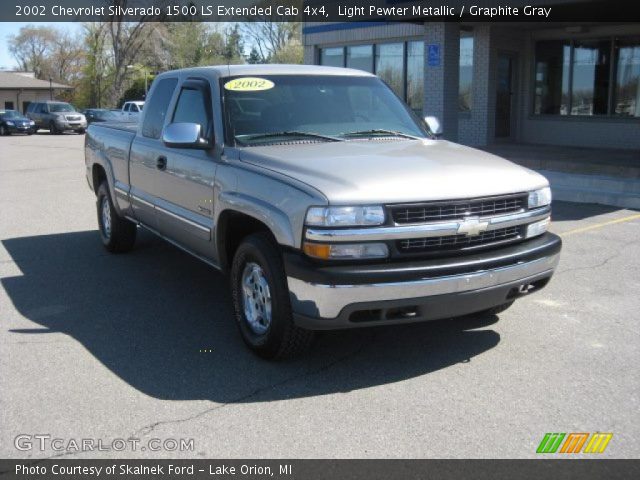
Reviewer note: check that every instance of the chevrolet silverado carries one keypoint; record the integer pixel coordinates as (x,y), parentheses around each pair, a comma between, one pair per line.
(327,202)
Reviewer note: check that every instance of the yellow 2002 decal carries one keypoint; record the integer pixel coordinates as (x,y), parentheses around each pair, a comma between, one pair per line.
(249,84)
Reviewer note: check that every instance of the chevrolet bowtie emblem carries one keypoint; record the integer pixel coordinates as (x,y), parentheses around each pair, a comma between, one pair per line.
(472,226)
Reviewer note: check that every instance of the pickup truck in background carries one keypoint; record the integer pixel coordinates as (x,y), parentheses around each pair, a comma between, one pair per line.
(327,202)
(130,111)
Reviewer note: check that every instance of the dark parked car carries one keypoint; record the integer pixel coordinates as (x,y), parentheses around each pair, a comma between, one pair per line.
(12,121)
(100,115)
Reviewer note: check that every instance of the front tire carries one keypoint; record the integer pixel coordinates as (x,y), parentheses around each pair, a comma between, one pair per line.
(53,130)
(80,131)
(261,300)
(118,234)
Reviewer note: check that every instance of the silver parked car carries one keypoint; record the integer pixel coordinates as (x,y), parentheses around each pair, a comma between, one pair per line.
(57,117)
(327,202)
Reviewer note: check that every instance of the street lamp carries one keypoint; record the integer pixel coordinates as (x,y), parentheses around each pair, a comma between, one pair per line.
(50,89)
(146,81)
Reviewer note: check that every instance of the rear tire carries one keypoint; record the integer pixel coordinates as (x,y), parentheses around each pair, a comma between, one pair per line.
(3,131)
(261,300)
(118,234)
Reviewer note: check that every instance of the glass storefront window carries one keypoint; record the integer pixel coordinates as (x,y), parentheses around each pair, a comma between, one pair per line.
(360,57)
(587,77)
(590,84)
(415,76)
(390,65)
(465,86)
(332,57)
(627,86)
(552,77)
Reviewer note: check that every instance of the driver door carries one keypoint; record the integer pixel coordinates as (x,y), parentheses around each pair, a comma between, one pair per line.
(185,207)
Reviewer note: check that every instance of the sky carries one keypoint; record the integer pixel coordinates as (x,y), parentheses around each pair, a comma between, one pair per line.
(7,62)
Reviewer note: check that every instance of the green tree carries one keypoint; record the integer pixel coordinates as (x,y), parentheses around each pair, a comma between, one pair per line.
(233,45)
(31,48)
(254,57)
(134,92)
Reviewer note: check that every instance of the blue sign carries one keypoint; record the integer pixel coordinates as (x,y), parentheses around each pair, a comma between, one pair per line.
(433,55)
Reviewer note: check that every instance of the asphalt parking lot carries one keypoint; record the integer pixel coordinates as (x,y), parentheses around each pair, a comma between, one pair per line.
(96,346)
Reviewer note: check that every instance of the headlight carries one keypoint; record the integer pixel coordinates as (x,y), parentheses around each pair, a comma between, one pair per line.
(345,216)
(343,251)
(9,122)
(538,228)
(540,198)
(32,122)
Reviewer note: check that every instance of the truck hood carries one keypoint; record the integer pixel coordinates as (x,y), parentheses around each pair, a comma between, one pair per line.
(394,171)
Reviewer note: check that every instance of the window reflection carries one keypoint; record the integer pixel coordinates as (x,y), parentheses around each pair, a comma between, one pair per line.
(360,57)
(465,86)
(415,76)
(389,65)
(627,94)
(552,77)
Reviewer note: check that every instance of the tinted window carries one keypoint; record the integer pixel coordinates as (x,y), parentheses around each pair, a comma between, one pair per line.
(157,110)
(192,108)
(333,57)
(360,57)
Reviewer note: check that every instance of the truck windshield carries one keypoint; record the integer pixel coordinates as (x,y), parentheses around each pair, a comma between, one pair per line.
(277,108)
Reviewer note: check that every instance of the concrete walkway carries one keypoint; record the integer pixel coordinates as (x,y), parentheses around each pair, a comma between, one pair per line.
(586,175)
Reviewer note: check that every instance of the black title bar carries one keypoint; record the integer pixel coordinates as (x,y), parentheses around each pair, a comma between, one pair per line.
(320,469)
(320,10)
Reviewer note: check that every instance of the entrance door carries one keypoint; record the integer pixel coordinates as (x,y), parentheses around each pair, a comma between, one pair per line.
(504,96)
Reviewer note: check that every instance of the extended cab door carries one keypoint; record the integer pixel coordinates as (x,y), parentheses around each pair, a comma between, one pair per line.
(185,186)
(147,154)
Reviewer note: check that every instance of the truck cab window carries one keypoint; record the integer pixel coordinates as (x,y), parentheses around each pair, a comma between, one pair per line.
(158,105)
(192,108)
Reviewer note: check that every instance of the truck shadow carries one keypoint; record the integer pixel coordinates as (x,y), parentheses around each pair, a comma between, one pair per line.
(162,322)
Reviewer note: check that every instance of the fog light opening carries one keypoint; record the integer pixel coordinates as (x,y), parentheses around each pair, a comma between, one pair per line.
(402,313)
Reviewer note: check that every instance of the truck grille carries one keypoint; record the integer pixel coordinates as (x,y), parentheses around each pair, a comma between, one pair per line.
(458,209)
(457,242)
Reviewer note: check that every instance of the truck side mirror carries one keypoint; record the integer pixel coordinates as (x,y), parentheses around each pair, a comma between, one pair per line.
(184,135)
(434,125)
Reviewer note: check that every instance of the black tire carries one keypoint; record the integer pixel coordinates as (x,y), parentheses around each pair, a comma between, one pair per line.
(3,131)
(80,131)
(498,309)
(53,130)
(120,235)
(282,338)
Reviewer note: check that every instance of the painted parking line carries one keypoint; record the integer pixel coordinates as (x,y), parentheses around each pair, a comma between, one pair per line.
(600,225)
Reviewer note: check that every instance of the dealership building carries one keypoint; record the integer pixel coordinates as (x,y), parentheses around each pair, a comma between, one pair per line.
(536,92)
(19,89)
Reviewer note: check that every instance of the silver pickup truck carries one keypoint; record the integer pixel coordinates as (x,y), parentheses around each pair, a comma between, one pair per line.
(327,202)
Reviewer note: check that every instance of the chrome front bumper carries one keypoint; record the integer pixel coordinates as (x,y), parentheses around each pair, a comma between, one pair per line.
(322,301)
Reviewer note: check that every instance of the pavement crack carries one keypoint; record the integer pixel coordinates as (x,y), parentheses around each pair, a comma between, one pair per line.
(598,265)
(323,368)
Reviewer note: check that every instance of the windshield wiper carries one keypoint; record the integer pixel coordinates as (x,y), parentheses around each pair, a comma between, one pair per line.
(289,133)
(379,131)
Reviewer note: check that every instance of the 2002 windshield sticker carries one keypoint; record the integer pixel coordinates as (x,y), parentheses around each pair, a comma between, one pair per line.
(249,84)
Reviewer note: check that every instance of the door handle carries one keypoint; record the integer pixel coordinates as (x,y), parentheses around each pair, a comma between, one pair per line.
(161,162)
